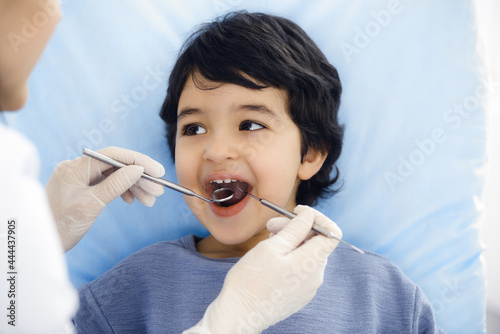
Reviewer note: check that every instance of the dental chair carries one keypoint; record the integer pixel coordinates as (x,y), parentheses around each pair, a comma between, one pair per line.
(414,158)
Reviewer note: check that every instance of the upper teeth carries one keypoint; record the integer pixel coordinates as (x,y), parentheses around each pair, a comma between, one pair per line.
(224,181)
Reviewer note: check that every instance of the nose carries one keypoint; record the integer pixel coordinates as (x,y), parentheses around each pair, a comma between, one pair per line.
(221,147)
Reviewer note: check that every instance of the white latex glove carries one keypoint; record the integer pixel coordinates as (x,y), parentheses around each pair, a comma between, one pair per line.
(79,189)
(275,279)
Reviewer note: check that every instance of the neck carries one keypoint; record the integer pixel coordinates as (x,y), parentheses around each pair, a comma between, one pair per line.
(212,248)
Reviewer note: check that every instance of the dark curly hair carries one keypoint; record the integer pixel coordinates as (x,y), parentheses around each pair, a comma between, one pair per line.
(275,52)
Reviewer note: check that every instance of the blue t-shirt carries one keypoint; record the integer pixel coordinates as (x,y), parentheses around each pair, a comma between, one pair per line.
(166,288)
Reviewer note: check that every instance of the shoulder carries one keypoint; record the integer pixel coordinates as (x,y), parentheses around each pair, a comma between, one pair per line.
(147,265)
(370,276)
(148,287)
(372,284)
(124,296)
(367,267)
(148,261)
(161,250)
(372,279)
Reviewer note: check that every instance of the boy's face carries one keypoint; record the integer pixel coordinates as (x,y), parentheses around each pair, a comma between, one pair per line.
(234,133)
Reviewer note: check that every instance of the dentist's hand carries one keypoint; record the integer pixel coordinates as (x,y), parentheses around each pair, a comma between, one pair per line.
(275,279)
(79,189)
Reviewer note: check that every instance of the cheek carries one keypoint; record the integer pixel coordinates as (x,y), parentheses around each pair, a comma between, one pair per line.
(184,165)
(276,165)
(186,168)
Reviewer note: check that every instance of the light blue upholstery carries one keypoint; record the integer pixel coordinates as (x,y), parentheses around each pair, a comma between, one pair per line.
(413,163)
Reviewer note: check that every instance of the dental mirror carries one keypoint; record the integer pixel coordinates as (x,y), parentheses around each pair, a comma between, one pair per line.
(221,195)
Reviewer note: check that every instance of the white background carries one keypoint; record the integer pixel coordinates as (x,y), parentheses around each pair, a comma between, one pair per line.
(489,26)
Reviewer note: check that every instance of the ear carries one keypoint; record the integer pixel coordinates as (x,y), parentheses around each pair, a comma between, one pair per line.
(311,164)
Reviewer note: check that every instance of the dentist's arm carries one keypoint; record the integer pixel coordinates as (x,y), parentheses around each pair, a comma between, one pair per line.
(261,290)
(79,189)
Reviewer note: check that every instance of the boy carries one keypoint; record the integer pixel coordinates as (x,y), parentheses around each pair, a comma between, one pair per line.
(252,105)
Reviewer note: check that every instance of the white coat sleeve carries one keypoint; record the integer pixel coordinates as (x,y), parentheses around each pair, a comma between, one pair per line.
(36,295)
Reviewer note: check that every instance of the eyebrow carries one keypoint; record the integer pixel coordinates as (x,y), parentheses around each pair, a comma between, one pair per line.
(259,108)
(187,112)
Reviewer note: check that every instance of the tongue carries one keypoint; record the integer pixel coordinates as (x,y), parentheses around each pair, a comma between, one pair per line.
(239,189)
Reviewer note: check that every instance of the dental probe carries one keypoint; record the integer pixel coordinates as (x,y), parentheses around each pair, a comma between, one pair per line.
(316,228)
(163,182)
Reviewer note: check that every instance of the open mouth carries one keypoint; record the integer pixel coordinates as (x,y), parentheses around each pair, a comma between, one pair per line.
(239,189)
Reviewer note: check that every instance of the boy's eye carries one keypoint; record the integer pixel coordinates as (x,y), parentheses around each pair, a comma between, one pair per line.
(193,130)
(250,126)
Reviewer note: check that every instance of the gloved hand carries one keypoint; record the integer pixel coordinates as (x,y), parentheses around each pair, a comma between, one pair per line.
(79,189)
(275,279)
